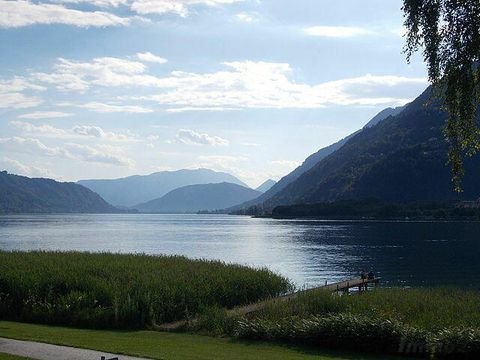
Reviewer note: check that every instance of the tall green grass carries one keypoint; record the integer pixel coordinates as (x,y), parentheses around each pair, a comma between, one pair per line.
(440,323)
(429,309)
(113,290)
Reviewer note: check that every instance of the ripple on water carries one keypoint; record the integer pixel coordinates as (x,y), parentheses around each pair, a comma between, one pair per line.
(307,251)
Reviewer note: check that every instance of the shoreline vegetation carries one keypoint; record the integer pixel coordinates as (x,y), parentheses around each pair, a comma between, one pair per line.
(105,290)
(138,292)
(436,323)
(371,210)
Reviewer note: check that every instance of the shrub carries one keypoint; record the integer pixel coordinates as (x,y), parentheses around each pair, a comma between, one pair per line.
(360,333)
(215,321)
(343,331)
(423,308)
(456,343)
(307,303)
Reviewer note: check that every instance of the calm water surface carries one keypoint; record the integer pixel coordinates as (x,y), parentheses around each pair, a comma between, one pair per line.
(308,252)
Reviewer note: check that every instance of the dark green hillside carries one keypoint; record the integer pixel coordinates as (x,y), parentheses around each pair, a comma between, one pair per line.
(19,194)
(315,158)
(371,209)
(401,159)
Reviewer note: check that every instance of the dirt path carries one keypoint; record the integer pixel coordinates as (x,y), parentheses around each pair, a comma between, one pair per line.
(41,351)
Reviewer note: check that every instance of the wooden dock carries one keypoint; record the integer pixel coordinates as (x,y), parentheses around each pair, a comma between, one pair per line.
(345,286)
(340,287)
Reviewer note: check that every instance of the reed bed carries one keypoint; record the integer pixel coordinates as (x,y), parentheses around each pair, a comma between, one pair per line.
(427,308)
(437,323)
(123,291)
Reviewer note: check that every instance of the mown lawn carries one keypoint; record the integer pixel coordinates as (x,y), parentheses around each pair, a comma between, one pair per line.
(11,357)
(167,346)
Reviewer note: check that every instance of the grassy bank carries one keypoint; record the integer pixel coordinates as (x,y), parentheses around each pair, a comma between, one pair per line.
(428,309)
(128,291)
(11,357)
(442,323)
(169,346)
(112,290)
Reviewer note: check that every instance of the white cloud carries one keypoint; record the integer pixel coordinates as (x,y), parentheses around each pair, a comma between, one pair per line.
(104,71)
(246,17)
(31,145)
(144,7)
(45,130)
(178,7)
(91,154)
(94,131)
(18,101)
(98,132)
(250,84)
(18,84)
(98,3)
(239,85)
(149,57)
(70,151)
(12,96)
(18,168)
(110,108)
(77,131)
(191,137)
(44,115)
(18,13)
(337,31)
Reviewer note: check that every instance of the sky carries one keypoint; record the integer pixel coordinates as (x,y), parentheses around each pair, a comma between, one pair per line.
(112,88)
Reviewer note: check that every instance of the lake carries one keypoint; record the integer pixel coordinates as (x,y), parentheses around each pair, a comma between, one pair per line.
(308,252)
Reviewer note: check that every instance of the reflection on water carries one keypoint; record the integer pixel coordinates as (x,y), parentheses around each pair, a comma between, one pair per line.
(308,252)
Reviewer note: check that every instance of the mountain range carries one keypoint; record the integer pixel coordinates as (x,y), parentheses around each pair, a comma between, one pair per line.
(314,159)
(138,189)
(201,197)
(400,158)
(20,194)
(267,185)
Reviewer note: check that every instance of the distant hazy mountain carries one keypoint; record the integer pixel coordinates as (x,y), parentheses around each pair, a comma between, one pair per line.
(267,185)
(20,194)
(315,158)
(139,189)
(194,198)
(401,159)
